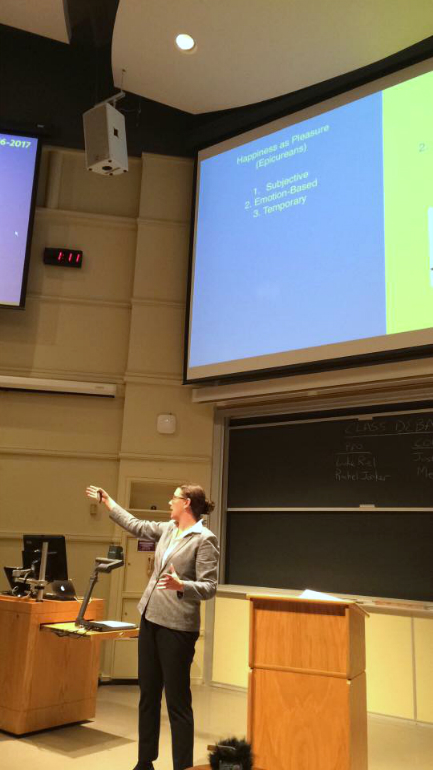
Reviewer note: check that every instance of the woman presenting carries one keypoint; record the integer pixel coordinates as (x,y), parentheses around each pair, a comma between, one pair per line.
(185,573)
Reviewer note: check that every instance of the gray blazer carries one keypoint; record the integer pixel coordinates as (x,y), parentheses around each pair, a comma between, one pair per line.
(195,559)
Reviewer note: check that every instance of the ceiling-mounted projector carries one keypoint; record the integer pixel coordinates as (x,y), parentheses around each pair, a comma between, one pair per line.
(105,139)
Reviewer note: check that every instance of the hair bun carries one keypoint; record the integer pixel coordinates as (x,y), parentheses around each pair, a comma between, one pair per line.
(209,507)
(200,505)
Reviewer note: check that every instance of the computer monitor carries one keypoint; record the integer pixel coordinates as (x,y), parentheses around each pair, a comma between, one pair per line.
(57,568)
(17,589)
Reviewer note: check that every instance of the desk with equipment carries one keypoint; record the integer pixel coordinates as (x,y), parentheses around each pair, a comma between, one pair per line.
(49,649)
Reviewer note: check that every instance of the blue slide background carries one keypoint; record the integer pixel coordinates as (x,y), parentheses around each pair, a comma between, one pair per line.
(309,275)
(17,169)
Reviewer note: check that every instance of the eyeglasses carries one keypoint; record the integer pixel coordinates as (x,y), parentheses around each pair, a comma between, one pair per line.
(178,497)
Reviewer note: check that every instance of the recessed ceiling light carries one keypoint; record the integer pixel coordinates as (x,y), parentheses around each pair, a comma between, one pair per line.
(185,42)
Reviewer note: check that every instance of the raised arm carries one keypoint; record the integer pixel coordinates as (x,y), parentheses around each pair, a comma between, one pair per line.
(149,530)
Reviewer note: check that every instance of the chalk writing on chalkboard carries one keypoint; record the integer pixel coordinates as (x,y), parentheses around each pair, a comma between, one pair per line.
(422,456)
(396,427)
(355,463)
(385,460)
(297,494)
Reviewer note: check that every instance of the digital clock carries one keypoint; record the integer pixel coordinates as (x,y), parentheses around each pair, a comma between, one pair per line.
(63,257)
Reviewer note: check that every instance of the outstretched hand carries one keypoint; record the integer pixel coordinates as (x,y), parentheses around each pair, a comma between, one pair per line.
(170,581)
(99,494)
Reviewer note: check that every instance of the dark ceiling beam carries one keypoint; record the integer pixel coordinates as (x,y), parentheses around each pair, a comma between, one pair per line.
(90,26)
(90,22)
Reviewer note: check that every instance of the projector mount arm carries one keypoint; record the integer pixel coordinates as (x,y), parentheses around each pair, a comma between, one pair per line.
(102,564)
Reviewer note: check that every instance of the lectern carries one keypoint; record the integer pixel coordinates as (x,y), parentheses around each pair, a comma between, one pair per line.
(45,680)
(307,703)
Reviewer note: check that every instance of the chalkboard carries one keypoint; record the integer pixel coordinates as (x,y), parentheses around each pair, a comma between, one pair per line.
(385,461)
(386,554)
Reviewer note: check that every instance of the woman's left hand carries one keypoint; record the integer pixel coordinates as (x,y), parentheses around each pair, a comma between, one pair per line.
(170,581)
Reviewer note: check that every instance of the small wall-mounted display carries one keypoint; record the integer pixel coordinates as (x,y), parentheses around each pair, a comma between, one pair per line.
(63,257)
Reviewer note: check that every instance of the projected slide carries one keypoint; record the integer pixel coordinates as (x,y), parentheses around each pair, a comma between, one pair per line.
(17,169)
(408,200)
(317,234)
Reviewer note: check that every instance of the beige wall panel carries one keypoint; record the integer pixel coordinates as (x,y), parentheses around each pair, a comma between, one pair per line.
(125,660)
(40,494)
(83,190)
(108,263)
(145,494)
(156,341)
(10,556)
(130,613)
(166,188)
(231,639)
(81,562)
(162,261)
(424,668)
(389,665)
(138,567)
(194,422)
(57,337)
(44,421)
(173,471)
(197,664)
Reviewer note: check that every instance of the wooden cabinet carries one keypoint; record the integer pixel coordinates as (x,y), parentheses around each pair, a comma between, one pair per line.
(45,680)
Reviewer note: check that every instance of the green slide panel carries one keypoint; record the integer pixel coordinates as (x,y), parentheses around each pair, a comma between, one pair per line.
(408,196)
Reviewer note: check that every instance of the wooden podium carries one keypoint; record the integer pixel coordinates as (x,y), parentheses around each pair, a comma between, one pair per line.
(45,680)
(307,704)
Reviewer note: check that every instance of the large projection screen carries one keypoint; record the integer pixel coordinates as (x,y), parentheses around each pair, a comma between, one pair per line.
(313,235)
(19,160)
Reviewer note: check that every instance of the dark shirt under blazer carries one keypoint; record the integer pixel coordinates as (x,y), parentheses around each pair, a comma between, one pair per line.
(195,559)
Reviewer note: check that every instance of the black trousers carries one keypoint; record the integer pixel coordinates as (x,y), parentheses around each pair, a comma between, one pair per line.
(164,661)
